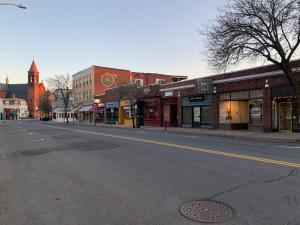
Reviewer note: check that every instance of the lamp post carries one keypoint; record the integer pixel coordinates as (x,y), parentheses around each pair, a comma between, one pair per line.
(15,5)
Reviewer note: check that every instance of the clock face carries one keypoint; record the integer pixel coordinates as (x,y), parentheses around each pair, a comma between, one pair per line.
(108,80)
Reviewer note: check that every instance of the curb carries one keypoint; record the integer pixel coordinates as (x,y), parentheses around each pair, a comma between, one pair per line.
(188,132)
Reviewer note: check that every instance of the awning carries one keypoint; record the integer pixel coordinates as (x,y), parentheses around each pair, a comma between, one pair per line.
(74,110)
(85,109)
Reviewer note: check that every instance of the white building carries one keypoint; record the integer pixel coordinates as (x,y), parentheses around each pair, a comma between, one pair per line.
(13,108)
(58,107)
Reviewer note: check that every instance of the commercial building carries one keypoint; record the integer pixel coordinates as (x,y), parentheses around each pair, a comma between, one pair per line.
(95,80)
(13,109)
(256,99)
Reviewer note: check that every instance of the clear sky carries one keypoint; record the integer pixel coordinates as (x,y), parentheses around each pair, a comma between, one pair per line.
(139,35)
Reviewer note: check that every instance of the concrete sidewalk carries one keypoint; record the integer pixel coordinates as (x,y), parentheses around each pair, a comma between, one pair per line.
(273,136)
(270,136)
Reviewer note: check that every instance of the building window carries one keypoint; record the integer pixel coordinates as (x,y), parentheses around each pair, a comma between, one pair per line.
(206,114)
(139,82)
(160,81)
(204,87)
(256,112)
(187,115)
(127,114)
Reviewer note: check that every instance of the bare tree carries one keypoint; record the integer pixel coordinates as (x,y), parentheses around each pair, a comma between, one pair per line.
(62,84)
(257,29)
(45,104)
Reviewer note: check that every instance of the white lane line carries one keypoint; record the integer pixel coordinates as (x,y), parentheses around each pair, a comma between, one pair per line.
(39,140)
(291,147)
(190,136)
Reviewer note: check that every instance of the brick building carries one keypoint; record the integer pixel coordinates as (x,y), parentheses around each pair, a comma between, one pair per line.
(35,90)
(257,99)
(95,80)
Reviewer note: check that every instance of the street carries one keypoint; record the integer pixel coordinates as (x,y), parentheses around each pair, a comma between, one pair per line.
(66,174)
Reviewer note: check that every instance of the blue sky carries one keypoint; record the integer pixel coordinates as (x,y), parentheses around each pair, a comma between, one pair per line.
(139,35)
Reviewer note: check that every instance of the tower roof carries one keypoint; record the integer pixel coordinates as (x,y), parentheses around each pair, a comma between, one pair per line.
(33,67)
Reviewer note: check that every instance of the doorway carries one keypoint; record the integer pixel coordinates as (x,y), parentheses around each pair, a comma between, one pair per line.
(285,117)
(197,117)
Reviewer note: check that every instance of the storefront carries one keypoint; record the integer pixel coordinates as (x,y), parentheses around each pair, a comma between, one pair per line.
(197,111)
(112,112)
(125,113)
(285,118)
(85,113)
(99,112)
(241,110)
(170,111)
(151,112)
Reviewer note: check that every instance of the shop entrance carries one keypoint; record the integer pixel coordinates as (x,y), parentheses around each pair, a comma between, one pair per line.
(197,117)
(285,117)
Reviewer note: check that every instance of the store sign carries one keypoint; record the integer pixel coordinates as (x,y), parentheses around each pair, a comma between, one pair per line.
(112,105)
(196,98)
(168,93)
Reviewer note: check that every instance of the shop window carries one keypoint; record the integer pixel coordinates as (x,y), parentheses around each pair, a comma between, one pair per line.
(233,112)
(127,114)
(256,94)
(256,112)
(187,113)
(224,96)
(206,114)
(224,112)
(239,95)
(151,111)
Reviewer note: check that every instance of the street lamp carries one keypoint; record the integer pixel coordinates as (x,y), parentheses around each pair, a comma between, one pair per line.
(11,4)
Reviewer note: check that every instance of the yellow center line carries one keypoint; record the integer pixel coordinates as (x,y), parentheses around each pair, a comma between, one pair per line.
(185,147)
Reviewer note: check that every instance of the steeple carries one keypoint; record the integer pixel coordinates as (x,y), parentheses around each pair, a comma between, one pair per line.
(33,67)
(33,74)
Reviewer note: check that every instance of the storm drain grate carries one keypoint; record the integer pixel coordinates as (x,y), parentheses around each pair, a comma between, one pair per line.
(207,211)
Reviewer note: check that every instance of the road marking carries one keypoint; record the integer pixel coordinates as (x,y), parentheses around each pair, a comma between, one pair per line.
(196,149)
(291,147)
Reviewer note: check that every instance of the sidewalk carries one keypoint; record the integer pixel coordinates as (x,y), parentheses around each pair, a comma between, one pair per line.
(245,134)
(270,136)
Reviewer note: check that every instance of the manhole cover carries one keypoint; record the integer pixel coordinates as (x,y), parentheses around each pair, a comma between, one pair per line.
(206,211)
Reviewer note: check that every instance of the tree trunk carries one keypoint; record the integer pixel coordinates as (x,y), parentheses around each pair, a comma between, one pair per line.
(66,115)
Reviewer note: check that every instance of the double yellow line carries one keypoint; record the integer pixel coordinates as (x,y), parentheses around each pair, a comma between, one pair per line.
(196,149)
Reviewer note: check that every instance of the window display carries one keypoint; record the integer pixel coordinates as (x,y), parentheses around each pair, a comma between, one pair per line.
(256,112)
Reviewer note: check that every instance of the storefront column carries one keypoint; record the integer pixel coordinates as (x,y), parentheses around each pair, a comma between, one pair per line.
(179,112)
(267,111)
(215,111)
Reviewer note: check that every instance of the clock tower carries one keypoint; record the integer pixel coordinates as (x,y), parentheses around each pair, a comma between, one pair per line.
(33,91)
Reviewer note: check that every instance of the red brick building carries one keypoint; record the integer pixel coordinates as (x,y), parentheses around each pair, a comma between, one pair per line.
(257,99)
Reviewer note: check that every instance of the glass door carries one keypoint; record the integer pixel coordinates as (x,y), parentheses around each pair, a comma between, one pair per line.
(285,116)
(197,117)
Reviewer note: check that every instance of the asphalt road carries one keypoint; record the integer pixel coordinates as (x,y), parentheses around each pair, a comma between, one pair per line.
(58,174)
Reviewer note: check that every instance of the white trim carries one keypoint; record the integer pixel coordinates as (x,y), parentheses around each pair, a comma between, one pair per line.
(178,88)
(253,76)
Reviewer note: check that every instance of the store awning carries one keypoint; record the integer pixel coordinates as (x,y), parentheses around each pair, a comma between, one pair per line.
(75,110)
(85,109)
